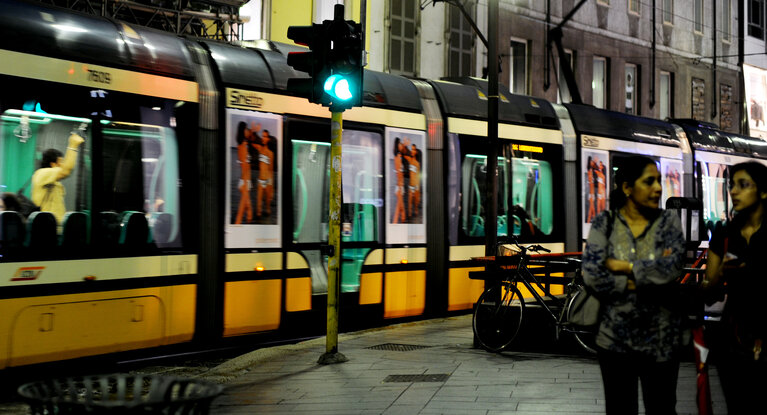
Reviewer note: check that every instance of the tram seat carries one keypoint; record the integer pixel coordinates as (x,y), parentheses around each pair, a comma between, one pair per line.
(41,232)
(476,225)
(503,227)
(161,225)
(12,230)
(75,230)
(109,229)
(134,229)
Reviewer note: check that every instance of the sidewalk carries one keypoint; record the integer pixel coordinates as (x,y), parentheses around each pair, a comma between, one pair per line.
(424,367)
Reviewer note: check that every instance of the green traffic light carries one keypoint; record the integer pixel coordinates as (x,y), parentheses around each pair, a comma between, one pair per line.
(338,87)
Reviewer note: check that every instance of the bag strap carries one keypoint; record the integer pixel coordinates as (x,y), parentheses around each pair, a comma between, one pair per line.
(29,180)
(610,220)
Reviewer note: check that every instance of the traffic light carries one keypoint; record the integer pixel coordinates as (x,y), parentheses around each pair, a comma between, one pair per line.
(312,62)
(346,61)
(334,62)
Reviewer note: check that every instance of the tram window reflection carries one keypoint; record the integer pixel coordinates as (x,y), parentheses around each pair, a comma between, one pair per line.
(525,195)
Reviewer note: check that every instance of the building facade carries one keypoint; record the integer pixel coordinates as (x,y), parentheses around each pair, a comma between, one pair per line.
(660,59)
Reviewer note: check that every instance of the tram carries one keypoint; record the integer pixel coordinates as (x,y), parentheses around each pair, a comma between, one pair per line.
(197,210)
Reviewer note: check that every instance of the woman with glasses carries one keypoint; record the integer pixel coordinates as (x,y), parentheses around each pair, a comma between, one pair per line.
(735,265)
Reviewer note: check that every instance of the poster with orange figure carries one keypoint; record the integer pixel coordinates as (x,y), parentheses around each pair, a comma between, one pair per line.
(595,186)
(405,181)
(253,205)
(672,175)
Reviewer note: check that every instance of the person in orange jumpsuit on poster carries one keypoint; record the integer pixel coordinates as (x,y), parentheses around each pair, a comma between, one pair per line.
(243,158)
(399,170)
(265,189)
(591,196)
(601,172)
(414,188)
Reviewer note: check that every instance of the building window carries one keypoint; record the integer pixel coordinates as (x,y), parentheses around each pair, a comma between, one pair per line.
(461,42)
(666,97)
(668,11)
(518,80)
(756,18)
(725,107)
(698,16)
(402,37)
(599,83)
(564,91)
(698,103)
(632,88)
(634,6)
(726,20)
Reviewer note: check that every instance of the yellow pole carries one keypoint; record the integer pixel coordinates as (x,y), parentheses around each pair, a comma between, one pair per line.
(334,241)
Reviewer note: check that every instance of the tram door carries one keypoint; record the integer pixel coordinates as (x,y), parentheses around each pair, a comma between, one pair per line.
(362,203)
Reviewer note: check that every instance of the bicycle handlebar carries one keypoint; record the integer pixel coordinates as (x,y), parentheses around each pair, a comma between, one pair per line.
(538,248)
(512,239)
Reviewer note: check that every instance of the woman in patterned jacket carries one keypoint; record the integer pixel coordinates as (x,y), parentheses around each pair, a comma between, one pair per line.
(633,257)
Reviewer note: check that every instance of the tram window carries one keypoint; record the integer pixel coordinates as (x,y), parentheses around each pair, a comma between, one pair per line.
(141,175)
(24,137)
(311,175)
(137,162)
(525,194)
(362,188)
(716,198)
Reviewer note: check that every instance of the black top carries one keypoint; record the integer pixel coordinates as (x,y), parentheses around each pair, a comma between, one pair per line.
(744,311)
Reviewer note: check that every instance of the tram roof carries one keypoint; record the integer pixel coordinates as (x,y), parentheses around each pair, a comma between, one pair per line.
(263,65)
(467,98)
(65,34)
(590,120)
(707,136)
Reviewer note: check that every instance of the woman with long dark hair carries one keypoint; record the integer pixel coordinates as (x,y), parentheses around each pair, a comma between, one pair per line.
(735,265)
(633,257)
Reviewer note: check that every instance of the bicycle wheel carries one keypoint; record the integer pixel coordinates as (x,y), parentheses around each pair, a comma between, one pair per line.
(585,337)
(498,317)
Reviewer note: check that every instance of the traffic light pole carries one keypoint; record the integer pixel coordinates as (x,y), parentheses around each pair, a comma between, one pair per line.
(332,355)
(335,67)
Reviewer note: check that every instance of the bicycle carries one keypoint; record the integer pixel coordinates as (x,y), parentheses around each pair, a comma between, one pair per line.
(500,310)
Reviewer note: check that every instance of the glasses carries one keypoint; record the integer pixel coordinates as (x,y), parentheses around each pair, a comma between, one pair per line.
(741,184)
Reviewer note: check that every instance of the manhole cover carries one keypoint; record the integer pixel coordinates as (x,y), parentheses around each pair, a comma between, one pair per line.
(440,377)
(398,347)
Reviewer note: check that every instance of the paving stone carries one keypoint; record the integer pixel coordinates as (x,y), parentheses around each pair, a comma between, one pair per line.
(478,382)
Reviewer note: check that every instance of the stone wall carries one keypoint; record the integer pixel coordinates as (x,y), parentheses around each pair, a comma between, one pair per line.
(726,109)
(698,104)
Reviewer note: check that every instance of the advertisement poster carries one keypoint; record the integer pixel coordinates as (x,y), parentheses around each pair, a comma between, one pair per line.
(405,178)
(254,145)
(672,174)
(595,185)
(756,95)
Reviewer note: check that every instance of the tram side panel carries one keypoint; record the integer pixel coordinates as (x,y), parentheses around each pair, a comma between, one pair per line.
(290,291)
(101,279)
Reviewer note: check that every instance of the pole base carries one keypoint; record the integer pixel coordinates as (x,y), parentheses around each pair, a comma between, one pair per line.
(332,358)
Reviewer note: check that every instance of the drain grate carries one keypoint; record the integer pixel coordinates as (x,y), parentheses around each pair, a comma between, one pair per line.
(439,377)
(396,347)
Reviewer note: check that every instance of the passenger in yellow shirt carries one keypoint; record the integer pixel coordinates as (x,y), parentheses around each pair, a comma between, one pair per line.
(47,190)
